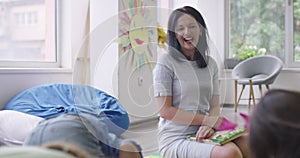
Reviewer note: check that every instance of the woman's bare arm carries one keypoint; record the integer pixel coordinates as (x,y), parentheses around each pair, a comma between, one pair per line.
(214,109)
(169,112)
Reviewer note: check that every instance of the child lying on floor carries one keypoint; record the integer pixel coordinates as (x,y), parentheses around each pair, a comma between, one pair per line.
(86,132)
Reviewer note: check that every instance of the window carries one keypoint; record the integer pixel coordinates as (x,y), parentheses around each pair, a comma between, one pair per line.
(296,32)
(265,27)
(27,33)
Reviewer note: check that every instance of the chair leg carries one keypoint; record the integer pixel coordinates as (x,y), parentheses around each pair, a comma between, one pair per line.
(252,92)
(267,86)
(250,97)
(235,95)
(260,90)
(237,99)
(240,96)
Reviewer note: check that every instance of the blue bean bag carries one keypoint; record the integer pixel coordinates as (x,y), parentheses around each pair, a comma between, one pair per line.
(51,100)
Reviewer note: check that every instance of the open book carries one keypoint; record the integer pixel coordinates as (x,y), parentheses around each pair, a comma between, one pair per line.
(221,137)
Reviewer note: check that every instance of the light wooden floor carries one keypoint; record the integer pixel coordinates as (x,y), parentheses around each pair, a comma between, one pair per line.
(145,132)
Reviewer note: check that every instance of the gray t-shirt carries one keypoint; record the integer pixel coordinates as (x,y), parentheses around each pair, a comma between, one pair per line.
(191,89)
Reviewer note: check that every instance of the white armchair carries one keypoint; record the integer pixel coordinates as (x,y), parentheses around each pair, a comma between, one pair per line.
(260,70)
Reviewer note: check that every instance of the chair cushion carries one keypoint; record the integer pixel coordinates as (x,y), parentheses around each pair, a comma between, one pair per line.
(51,100)
(256,79)
(261,69)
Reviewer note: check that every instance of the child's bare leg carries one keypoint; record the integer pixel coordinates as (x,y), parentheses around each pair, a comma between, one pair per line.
(128,150)
(243,143)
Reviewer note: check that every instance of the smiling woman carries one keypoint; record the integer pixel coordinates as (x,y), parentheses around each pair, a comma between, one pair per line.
(186,90)
(188,32)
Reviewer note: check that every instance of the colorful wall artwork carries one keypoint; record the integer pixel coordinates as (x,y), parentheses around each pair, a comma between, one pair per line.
(137,36)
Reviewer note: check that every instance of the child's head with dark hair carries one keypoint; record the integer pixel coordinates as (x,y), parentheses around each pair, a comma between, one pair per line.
(275,125)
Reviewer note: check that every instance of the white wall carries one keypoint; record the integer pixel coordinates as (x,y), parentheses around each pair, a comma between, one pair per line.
(15,81)
(103,46)
(109,71)
(135,83)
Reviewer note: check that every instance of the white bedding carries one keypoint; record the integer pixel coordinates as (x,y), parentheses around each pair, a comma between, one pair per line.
(15,126)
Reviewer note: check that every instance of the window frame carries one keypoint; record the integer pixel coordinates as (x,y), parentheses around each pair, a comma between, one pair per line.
(289,34)
(42,64)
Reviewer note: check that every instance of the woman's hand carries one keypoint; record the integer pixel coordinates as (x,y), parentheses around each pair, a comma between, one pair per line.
(212,121)
(204,132)
(218,123)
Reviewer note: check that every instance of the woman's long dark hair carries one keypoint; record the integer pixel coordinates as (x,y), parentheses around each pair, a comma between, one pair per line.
(275,125)
(201,53)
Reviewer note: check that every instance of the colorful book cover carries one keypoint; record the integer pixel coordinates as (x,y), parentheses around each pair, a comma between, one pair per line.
(156,155)
(221,137)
